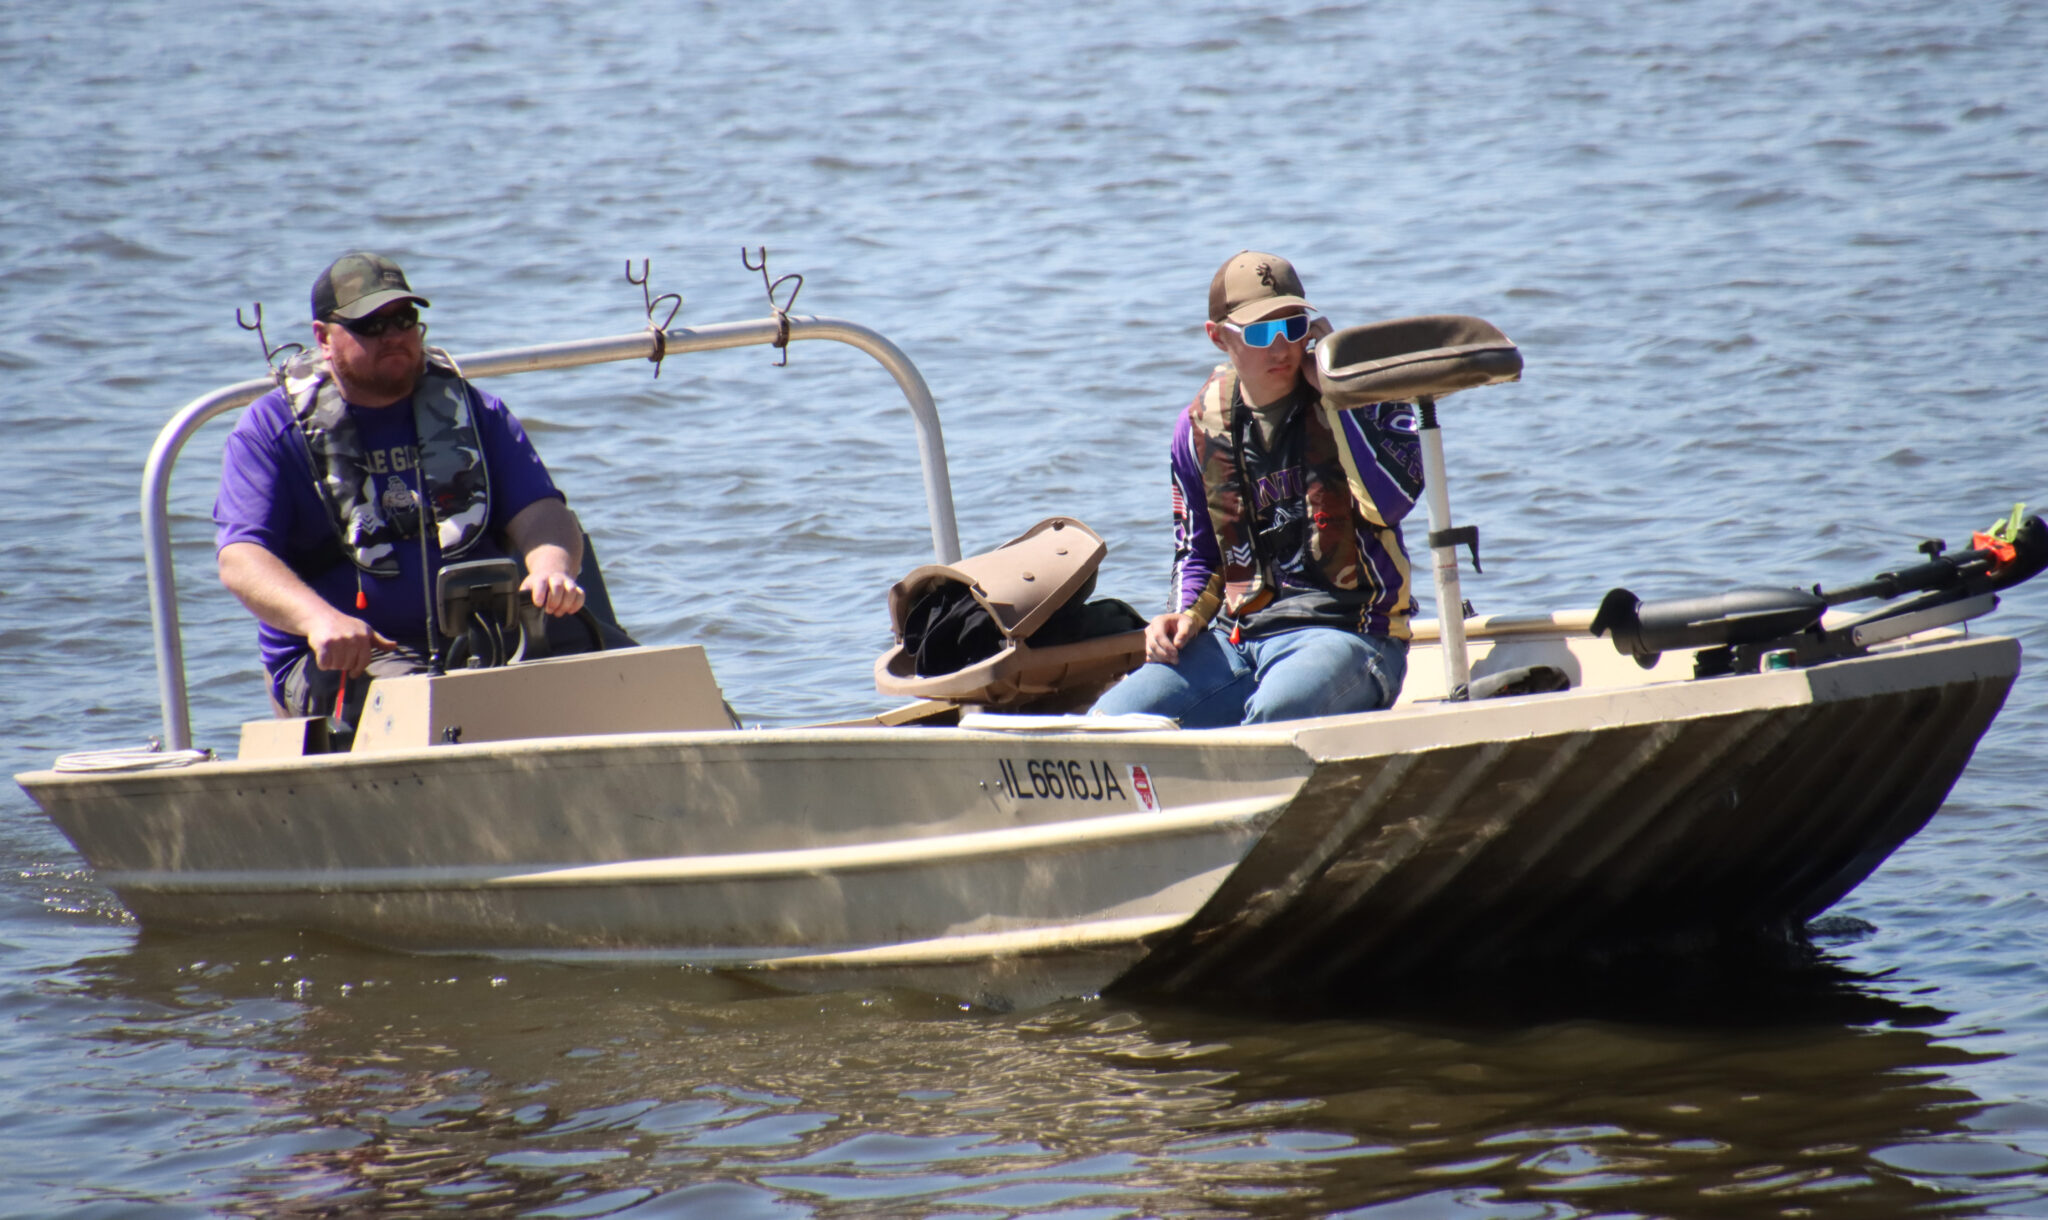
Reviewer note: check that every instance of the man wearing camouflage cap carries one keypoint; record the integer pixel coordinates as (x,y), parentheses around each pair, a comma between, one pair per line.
(344,491)
(1291,584)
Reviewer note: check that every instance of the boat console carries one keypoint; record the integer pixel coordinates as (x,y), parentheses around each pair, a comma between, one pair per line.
(505,671)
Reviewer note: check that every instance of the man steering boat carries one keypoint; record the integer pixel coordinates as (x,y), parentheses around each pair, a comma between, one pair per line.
(345,490)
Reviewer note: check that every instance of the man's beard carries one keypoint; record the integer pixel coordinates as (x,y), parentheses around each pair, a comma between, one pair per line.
(370,380)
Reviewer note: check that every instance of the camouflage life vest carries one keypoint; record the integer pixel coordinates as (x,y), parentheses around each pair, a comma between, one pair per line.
(370,522)
(1337,509)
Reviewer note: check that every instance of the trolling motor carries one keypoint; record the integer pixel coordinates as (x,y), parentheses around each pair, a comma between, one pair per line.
(1743,630)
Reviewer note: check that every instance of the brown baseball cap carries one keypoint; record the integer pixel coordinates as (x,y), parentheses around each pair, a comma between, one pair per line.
(1251,286)
(358,285)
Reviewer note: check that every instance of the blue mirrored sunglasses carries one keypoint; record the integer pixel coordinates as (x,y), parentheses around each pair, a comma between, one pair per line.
(1262,334)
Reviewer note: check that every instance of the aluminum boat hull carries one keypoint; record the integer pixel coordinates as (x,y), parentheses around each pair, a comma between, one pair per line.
(1316,855)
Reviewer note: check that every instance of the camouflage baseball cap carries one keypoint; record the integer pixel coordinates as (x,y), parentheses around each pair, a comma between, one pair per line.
(360,284)
(1251,286)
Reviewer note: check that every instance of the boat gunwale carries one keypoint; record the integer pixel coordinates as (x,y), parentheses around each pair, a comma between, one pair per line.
(1313,738)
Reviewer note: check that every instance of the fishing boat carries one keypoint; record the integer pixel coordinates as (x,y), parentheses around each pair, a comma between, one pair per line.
(1636,777)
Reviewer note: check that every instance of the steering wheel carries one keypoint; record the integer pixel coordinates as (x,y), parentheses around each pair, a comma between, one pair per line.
(489,644)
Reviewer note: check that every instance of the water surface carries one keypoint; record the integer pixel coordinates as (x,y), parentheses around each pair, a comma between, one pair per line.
(1776,270)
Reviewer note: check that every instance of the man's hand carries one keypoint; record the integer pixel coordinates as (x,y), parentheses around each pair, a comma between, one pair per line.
(1167,634)
(555,592)
(548,536)
(342,642)
(271,590)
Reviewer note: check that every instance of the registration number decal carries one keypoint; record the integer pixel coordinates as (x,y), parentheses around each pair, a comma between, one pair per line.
(1042,779)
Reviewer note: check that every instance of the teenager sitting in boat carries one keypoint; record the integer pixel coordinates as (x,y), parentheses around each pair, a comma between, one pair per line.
(322,484)
(1293,602)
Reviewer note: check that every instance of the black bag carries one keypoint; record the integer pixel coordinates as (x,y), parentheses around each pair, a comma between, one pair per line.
(947,630)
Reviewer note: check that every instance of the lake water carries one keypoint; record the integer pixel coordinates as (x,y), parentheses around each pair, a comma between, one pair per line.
(1777,272)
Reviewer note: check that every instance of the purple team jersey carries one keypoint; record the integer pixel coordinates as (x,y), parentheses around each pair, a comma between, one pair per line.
(268,497)
(1362,582)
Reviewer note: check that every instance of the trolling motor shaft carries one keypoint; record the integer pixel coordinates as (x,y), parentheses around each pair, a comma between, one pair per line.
(1738,627)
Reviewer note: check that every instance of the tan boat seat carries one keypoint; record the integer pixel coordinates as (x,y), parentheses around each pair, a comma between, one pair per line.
(1021,584)
(1410,358)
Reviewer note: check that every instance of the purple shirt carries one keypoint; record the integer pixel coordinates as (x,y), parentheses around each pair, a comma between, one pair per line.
(268,497)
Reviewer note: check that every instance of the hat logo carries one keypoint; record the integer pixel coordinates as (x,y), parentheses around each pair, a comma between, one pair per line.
(1266,276)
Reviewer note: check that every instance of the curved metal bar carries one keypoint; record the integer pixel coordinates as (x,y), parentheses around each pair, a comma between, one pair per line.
(156,472)
(156,550)
(931,442)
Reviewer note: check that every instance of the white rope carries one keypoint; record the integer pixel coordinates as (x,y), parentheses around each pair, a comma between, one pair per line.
(152,757)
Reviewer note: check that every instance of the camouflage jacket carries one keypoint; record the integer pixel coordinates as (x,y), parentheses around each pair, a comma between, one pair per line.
(458,485)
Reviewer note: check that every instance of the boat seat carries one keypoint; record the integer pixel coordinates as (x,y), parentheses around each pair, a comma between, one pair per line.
(1021,584)
(1413,358)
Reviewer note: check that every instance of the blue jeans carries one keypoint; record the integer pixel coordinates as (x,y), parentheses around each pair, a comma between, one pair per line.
(1310,671)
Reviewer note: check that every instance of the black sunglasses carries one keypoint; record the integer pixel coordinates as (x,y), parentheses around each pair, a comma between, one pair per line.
(381,323)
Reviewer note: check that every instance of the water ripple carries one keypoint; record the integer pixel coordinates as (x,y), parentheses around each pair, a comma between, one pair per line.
(1776,274)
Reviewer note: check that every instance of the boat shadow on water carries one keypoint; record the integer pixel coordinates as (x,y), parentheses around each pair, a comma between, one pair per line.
(380,1082)
(1758,983)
